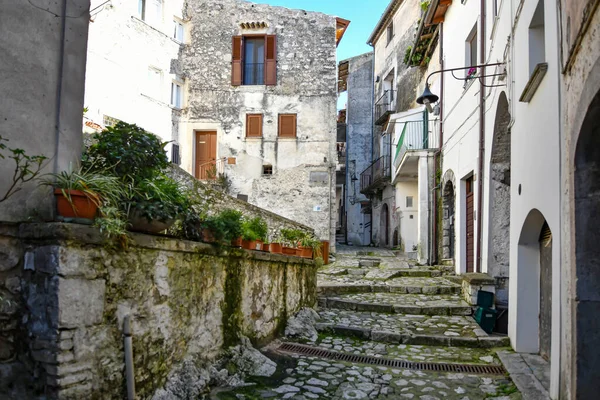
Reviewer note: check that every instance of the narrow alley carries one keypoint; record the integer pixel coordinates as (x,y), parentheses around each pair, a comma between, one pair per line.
(388,329)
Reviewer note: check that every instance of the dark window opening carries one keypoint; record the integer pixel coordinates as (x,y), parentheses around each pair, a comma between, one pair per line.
(267,170)
(254,61)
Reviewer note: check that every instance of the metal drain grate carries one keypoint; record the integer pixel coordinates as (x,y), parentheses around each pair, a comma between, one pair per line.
(386,362)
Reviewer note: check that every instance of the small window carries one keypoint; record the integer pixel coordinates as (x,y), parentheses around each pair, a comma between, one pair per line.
(254,123)
(390,32)
(409,201)
(267,170)
(537,41)
(178,30)
(287,125)
(495,5)
(150,11)
(177,94)
(154,82)
(175,157)
(471,48)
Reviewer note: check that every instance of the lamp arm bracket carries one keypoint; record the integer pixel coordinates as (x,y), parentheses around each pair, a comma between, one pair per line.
(462,69)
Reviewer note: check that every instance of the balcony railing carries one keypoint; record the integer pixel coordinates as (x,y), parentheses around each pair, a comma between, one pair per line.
(415,136)
(376,175)
(385,106)
(211,170)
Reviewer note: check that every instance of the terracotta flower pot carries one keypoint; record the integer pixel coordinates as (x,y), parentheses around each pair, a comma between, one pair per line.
(275,248)
(305,252)
(298,252)
(325,251)
(289,251)
(266,247)
(141,224)
(249,244)
(236,242)
(82,205)
(207,236)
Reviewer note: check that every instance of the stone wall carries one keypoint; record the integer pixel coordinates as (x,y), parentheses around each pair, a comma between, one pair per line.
(302,185)
(219,201)
(69,292)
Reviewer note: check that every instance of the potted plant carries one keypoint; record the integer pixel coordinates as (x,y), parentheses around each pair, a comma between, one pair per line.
(309,245)
(80,193)
(254,232)
(156,204)
(276,247)
(291,237)
(223,227)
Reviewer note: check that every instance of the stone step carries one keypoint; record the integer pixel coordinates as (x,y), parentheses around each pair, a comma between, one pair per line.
(407,352)
(416,304)
(460,331)
(301,377)
(334,285)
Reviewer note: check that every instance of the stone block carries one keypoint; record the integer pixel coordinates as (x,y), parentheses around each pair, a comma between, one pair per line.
(430,289)
(75,392)
(360,333)
(81,302)
(7,350)
(380,288)
(414,289)
(10,253)
(62,370)
(341,304)
(413,310)
(45,259)
(398,289)
(13,284)
(386,337)
(385,308)
(68,380)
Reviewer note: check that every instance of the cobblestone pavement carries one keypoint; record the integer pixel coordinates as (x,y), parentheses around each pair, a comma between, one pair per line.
(375,303)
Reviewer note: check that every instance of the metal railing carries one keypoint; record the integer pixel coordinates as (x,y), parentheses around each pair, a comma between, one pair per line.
(384,106)
(209,171)
(376,174)
(415,136)
(254,74)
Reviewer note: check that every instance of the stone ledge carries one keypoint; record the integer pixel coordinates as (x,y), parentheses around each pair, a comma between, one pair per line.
(56,232)
(475,278)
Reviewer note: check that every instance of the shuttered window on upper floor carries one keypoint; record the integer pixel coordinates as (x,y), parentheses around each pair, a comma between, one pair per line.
(254,124)
(254,60)
(287,125)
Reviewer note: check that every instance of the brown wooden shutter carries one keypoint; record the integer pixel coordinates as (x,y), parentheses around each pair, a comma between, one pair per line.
(254,123)
(287,125)
(236,60)
(271,60)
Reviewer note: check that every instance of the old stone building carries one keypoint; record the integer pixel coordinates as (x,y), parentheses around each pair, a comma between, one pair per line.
(261,105)
(356,79)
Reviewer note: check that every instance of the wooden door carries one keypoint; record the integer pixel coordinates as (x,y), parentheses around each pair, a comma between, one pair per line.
(470,248)
(206,155)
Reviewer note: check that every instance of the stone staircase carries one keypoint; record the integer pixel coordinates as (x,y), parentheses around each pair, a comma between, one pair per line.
(391,330)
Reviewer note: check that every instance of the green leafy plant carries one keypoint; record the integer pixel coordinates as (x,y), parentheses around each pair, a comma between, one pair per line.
(225,226)
(425,5)
(128,151)
(407,55)
(254,229)
(27,168)
(159,198)
(291,237)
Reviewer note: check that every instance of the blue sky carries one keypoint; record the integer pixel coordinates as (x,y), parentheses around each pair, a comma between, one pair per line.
(363,15)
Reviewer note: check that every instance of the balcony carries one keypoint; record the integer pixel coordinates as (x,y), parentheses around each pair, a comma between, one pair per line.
(385,106)
(376,176)
(414,139)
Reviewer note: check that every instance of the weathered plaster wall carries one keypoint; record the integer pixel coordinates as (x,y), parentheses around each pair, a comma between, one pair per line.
(359,120)
(42,93)
(185,299)
(581,83)
(121,49)
(302,186)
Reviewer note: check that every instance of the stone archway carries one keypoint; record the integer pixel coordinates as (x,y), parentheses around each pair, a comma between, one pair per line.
(499,221)
(533,323)
(384,225)
(586,303)
(448,228)
(448,248)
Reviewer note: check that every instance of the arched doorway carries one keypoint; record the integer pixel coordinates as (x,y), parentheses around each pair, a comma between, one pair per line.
(385,225)
(586,303)
(534,287)
(499,222)
(448,231)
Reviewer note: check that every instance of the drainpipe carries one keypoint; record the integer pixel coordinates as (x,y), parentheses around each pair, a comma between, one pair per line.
(481,138)
(59,85)
(438,154)
(128,348)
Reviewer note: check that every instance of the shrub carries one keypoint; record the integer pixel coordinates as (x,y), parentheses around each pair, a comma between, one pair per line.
(159,198)
(255,229)
(128,151)
(226,226)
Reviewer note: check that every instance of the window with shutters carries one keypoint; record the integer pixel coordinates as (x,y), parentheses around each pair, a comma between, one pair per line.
(287,125)
(254,123)
(177,94)
(254,60)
